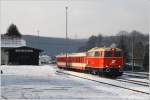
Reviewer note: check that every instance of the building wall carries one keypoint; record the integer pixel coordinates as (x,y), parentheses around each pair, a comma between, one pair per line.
(24,56)
(4,57)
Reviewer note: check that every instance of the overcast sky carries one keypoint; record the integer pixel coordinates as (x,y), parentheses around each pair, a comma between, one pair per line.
(85,17)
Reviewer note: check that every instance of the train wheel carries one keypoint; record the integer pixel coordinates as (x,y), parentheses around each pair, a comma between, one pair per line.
(93,72)
(101,72)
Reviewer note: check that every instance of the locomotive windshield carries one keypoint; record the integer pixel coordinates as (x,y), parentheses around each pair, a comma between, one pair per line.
(108,54)
(118,54)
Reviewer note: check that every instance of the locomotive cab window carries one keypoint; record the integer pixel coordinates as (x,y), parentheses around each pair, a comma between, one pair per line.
(108,54)
(118,54)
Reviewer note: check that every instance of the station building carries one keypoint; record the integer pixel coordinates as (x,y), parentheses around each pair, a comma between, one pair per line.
(14,51)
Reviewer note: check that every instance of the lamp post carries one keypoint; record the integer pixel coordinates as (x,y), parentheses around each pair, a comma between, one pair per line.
(66,31)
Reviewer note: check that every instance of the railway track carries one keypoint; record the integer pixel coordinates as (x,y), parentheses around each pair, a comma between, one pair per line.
(138,73)
(136,76)
(134,82)
(3,97)
(91,79)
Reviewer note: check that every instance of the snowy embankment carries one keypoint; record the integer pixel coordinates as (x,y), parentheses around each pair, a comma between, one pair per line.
(28,70)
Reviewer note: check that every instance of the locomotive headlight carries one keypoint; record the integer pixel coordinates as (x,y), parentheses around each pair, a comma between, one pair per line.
(113,61)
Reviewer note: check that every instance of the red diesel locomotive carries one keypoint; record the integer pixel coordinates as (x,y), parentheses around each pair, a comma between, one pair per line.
(102,61)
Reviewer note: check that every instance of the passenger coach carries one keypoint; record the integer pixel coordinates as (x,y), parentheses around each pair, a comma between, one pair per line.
(102,61)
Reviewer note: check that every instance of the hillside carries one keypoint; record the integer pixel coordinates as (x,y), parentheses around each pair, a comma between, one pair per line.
(53,46)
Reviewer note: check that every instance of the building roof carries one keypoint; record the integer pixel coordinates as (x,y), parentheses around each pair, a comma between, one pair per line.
(27,47)
(24,48)
(11,42)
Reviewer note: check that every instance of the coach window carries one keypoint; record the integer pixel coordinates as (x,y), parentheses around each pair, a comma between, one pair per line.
(88,54)
(97,54)
(108,54)
(91,54)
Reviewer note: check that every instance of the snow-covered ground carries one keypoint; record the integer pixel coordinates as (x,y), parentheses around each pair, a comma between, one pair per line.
(43,82)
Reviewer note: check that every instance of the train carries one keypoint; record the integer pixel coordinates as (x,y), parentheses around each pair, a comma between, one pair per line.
(98,60)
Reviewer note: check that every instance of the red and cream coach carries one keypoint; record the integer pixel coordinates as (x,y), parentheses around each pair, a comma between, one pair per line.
(107,61)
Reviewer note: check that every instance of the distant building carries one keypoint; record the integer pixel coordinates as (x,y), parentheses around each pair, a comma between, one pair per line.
(44,59)
(15,51)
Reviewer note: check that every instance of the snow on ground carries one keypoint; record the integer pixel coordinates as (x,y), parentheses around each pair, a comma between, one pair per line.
(43,82)
(28,70)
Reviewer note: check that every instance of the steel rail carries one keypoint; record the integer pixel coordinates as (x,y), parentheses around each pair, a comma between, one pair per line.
(138,73)
(4,97)
(134,82)
(135,76)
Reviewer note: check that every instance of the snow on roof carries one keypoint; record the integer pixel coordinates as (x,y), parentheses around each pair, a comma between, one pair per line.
(9,42)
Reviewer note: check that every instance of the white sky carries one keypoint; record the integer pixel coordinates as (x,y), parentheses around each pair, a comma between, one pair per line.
(85,17)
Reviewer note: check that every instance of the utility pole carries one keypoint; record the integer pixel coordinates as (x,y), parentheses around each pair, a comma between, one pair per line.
(132,53)
(76,36)
(38,32)
(66,32)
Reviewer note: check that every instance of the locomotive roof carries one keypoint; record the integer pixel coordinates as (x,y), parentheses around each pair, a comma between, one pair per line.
(103,49)
(72,54)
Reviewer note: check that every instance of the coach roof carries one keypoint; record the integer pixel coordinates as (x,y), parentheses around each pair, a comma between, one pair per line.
(72,55)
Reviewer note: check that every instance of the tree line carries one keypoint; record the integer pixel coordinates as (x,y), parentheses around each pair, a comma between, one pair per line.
(135,45)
